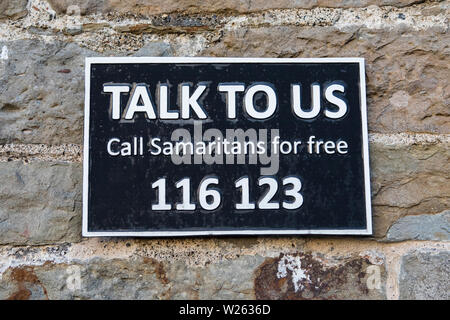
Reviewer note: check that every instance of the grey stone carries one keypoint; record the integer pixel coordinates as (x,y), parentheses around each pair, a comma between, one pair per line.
(106,279)
(41,203)
(227,279)
(73,31)
(154,49)
(422,227)
(13,9)
(42,92)
(425,275)
(100,279)
(230,279)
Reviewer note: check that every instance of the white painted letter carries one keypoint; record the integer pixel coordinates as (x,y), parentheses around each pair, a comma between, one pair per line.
(140,92)
(191,101)
(164,113)
(297,104)
(231,90)
(271,101)
(116,90)
(336,101)
(111,141)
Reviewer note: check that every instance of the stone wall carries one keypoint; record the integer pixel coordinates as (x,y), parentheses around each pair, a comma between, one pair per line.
(406,44)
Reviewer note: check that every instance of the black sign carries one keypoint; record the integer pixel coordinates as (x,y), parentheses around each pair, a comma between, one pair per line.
(217,146)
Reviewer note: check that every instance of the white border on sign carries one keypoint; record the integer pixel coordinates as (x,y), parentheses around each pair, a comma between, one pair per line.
(365,155)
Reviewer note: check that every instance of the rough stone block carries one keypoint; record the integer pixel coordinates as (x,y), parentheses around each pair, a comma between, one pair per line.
(42,92)
(41,203)
(421,227)
(425,275)
(13,9)
(408,179)
(304,276)
(135,278)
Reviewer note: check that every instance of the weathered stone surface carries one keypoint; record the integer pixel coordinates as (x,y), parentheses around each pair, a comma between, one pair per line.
(406,72)
(422,227)
(245,277)
(23,284)
(391,160)
(304,276)
(201,268)
(42,92)
(149,7)
(100,279)
(236,280)
(226,279)
(135,278)
(408,180)
(425,275)
(13,9)
(113,279)
(41,203)
(409,192)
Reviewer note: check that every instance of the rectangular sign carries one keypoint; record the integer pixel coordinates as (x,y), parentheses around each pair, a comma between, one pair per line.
(225,146)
